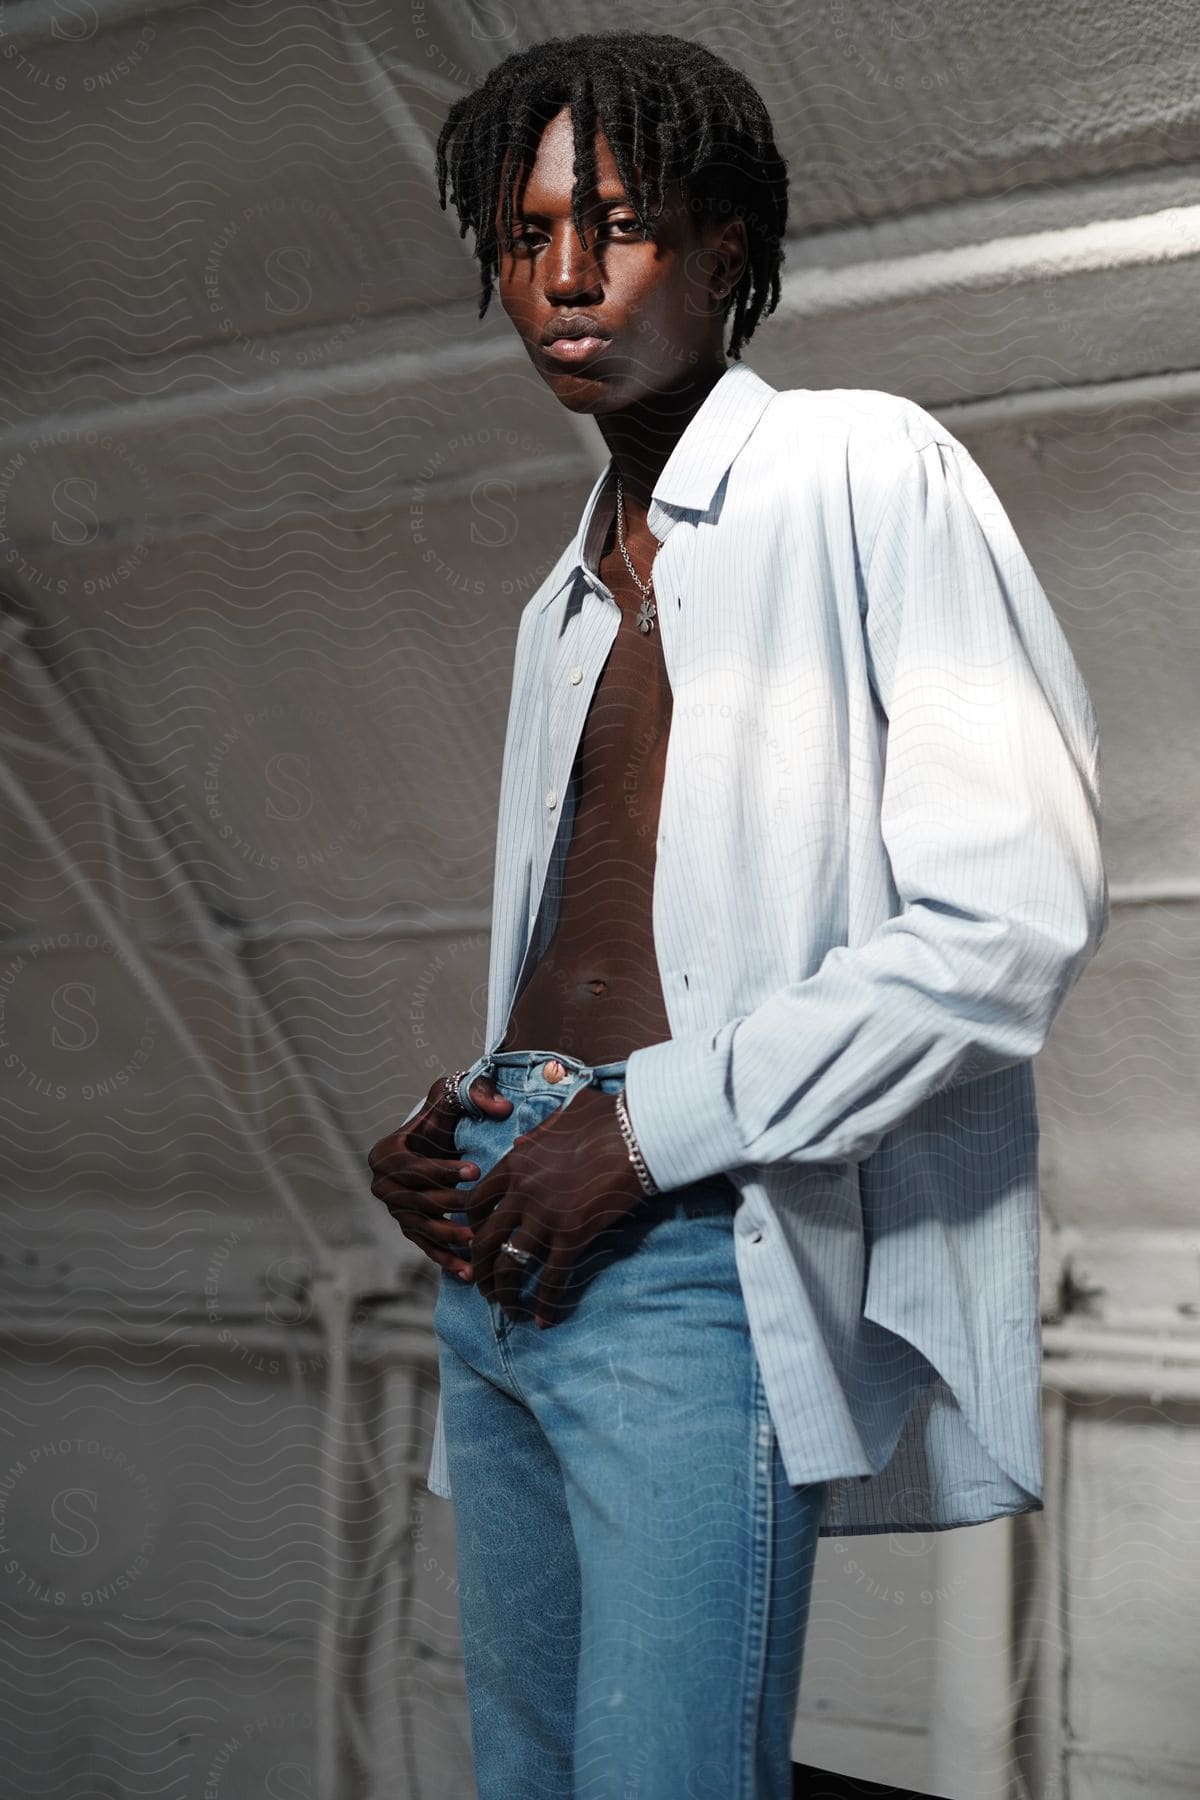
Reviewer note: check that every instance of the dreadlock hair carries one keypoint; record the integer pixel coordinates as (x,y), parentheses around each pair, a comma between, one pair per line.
(670,106)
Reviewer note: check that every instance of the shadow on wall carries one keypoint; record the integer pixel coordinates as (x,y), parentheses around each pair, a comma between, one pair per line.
(818,1784)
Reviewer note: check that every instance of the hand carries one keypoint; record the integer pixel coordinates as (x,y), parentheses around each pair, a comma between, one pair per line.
(415,1169)
(560,1186)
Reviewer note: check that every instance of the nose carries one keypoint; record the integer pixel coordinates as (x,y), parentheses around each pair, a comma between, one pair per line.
(572,270)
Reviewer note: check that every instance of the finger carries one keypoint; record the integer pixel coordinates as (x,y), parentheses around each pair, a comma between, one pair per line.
(430,1116)
(490,1232)
(386,1147)
(422,1176)
(483,1260)
(440,1233)
(508,1273)
(499,1183)
(486,1096)
(421,1203)
(481,1201)
(452,1260)
(548,1299)
(433,1131)
(441,1240)
(420,1206)
(417,1169)
(432,1202)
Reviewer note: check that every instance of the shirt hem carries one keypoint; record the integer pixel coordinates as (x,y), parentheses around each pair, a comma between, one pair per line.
(907,1528)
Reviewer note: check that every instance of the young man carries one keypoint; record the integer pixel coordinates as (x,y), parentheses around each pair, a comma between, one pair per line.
(798,856)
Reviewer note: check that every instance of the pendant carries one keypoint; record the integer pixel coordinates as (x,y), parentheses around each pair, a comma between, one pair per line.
(646,615)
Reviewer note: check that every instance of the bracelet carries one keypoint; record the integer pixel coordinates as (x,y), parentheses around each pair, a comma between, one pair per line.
(649,1185)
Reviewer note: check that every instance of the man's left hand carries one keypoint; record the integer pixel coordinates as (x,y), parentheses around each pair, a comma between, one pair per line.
(557,1189)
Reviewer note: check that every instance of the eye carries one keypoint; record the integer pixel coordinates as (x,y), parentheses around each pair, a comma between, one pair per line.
(628,227)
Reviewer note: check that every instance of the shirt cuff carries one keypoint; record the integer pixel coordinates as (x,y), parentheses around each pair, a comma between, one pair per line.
(676,1094)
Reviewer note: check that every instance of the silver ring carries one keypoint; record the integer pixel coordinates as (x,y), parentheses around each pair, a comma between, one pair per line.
(451,1092)
(522,1256)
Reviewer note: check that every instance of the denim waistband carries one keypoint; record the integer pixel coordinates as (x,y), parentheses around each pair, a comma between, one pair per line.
(523,1072)
(518,1073)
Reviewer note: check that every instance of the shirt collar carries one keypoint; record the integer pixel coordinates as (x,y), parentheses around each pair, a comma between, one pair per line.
(689,479)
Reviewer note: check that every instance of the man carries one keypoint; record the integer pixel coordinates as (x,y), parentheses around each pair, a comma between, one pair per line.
(798,856)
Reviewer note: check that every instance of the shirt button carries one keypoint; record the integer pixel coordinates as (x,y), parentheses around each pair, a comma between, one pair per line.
(576,677)
(551,797)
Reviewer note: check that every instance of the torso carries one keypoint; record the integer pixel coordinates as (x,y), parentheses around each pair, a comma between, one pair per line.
(596,992)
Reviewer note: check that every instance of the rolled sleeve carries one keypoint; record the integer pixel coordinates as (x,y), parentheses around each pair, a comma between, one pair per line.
(680,1108)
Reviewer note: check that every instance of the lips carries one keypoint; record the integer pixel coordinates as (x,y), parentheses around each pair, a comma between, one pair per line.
(575,350)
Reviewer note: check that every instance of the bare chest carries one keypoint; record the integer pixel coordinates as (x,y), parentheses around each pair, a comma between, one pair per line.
(623,748)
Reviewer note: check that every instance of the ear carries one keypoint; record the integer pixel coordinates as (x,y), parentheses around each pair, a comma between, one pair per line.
(734,247)
(726,246)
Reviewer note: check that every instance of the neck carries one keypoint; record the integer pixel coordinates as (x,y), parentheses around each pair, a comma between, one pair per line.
(641,438)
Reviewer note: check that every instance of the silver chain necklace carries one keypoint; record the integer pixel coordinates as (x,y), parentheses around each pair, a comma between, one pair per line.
(648,610)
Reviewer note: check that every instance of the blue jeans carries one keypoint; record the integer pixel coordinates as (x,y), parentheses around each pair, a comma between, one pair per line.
(634,1566)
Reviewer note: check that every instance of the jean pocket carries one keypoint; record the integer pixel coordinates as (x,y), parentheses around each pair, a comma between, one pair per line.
(468,1129)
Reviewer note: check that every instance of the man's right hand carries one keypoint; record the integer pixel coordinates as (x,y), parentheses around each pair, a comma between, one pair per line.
(415,1170)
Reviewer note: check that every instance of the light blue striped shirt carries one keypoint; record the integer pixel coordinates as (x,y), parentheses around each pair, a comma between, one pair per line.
(878,874)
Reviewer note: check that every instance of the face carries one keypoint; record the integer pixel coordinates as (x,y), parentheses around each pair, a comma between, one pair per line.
(652,299)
